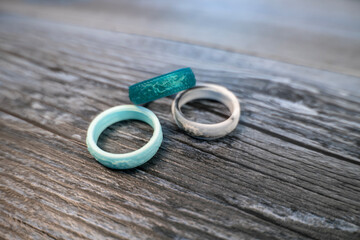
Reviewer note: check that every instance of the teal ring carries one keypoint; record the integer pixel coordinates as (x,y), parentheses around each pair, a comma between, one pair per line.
(117,114)
(162,86)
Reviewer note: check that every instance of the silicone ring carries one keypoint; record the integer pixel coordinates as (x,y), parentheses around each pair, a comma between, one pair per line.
(162,86)
(201,130)
(117,114)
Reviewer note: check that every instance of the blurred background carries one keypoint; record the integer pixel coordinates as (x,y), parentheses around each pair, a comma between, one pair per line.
(322,34)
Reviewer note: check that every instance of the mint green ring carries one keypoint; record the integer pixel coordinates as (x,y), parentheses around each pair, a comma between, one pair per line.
(117,114)
(162,86)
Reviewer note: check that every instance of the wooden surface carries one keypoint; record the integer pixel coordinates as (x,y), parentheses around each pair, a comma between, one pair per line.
(322,33)
(289,171)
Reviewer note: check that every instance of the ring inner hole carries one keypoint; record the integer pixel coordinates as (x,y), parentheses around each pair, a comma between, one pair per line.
(125,136)
(205,111)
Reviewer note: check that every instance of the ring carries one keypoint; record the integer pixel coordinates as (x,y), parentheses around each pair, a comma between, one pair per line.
(117,114)
(201,130)
(162,86)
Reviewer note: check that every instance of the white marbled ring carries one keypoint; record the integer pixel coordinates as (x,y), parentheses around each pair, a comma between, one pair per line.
(212,92)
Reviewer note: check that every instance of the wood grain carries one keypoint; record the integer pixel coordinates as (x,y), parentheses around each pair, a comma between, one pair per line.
(289,171)
(320,34)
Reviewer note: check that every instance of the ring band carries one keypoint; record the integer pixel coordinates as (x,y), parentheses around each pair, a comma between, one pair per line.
(207,91)
(162,86)
(126,160)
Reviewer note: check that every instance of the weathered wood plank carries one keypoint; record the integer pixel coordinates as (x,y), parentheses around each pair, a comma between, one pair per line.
(143,194)
(301,104)
(290,170)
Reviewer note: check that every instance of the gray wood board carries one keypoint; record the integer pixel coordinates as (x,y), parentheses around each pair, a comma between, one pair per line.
(289,171)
